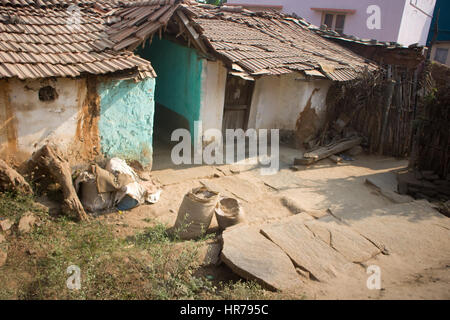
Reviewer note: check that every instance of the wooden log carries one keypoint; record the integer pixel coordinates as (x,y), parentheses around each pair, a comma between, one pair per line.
(303,161)
(49,158)
(11,180)
(335,159)
(335,148)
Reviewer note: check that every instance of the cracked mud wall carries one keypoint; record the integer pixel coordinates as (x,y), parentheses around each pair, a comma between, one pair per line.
(308,123)
(87,118)
(27,122)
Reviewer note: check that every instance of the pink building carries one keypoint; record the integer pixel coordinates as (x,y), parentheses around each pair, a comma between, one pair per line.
(403,21)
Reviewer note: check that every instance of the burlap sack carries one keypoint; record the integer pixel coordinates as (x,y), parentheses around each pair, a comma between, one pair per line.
(195,213)
(92,200)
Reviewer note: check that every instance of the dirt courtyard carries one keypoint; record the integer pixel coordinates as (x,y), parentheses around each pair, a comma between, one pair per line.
(417,265)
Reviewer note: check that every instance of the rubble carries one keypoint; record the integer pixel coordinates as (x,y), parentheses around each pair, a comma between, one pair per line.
(11,180)
(5,225)
(26,223)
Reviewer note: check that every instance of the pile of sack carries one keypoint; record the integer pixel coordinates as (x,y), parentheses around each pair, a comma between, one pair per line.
(117,185)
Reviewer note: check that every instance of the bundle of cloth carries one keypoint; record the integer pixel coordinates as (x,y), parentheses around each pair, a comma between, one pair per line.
(117,185)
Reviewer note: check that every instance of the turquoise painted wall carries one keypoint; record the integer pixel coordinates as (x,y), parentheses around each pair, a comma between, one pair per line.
(179,70)
(126,119)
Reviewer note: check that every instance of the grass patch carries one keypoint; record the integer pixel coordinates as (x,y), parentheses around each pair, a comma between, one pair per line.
(150,265)
(14,206)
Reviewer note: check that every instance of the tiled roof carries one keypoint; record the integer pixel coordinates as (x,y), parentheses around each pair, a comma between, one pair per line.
(135,21)
(38,40)
(272,43)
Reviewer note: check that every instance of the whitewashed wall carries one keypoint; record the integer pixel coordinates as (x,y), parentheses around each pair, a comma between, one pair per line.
(276,104)
(214,77)
(278,100)
(28,123)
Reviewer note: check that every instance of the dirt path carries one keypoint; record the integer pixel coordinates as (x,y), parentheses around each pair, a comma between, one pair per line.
(325,185)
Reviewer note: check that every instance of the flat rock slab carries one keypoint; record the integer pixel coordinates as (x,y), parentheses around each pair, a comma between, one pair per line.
(235,187)
(305,249)
(252,256)
(412,231)
(386,183)
(385,180)
(282,180)
(353,246)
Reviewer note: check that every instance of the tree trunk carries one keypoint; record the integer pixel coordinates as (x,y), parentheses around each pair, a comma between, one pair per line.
(50,159)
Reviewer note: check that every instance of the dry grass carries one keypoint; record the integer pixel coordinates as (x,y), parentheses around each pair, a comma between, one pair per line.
(147,266)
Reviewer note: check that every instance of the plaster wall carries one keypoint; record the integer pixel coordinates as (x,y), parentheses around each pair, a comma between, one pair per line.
(278,101)
(28,123)
(126,119)
(214,79)
(111,117)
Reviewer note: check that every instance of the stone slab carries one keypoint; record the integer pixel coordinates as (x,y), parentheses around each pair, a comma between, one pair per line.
(412,231)
(305,249)
(386,183)
(252,256)
(353,246)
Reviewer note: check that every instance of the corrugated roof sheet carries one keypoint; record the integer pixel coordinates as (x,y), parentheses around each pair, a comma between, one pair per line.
(272,43)
(37,39)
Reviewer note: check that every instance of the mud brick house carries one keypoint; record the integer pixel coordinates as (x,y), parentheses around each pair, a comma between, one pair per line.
(82,75)
(63,81)
(233,68)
